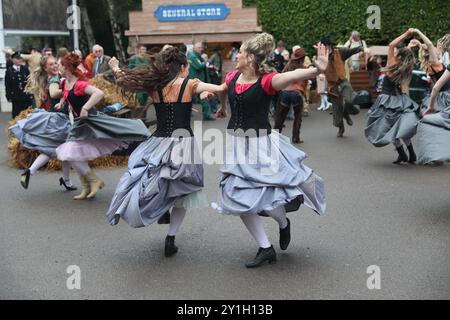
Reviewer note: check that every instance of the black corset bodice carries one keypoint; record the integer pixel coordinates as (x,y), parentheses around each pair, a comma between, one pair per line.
(77,102)
(250,109)
(390,88)
(173,117)
(436,76)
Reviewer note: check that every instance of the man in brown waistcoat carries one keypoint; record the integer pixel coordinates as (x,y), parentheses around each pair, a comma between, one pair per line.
(340,91)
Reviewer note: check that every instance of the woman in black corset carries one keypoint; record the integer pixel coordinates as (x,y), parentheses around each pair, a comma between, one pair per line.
(45,128)
(263,173)
(394,116)
(93,134)
(159,179)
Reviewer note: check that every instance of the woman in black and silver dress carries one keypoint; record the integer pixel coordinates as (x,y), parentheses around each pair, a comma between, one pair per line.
(263,173)
(46,128)
(93,133)
(394,116)
(165,172)
(433,135)
(434,129)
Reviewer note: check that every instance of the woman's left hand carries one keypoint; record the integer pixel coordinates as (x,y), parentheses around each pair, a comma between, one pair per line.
(206,95)
(84,114)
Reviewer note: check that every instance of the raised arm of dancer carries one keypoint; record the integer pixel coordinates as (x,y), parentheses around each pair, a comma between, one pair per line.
(283,80)
(391,52)
(55,91)
(436,89)
(431,48)
(96,96)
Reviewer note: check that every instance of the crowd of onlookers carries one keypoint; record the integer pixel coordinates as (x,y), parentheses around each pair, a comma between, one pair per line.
(201,66)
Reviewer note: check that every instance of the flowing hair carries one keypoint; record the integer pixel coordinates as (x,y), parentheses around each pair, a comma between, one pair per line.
(444,43)
(260,46)
(401,71)
(163,67)
(424,57)
(37,83)
(71,62)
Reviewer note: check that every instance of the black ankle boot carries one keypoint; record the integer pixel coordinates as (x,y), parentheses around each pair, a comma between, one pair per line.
(165,218)
(341,131)
(170,248)
(25,179)
(285,236)
(412,154)
(402,157)
(262,256)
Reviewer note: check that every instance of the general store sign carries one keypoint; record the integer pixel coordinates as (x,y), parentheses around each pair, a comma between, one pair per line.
(195,12)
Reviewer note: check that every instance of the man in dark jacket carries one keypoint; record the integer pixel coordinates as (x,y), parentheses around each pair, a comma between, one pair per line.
(15,82)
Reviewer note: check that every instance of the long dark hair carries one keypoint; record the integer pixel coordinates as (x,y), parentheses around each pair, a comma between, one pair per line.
(402,70)
(163,67)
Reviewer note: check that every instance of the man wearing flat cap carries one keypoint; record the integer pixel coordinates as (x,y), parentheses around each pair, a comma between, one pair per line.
(16,78)
(340,90)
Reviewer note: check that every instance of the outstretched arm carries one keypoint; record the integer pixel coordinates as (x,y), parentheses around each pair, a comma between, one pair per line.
(283,80)
(96,97)
(431,48)
(436,89)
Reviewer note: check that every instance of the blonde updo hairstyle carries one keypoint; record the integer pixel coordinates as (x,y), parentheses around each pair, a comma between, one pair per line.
(444,43)
(260,46)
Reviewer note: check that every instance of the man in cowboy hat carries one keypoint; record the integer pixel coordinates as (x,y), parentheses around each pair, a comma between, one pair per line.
(340,90)
(16,78)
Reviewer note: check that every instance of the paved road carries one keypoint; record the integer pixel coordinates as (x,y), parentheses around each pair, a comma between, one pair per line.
(397,218)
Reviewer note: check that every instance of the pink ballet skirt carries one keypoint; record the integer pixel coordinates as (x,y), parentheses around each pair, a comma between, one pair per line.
(87,150)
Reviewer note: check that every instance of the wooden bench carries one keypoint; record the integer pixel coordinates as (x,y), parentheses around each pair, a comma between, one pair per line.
(122,113)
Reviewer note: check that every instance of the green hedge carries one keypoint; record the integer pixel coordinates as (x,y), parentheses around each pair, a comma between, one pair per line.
(304,22)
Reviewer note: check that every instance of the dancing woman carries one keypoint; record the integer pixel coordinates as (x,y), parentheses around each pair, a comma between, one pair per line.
(274,182)
(394,115)
(46,128)
(433,132)
(158,179)
(93,134)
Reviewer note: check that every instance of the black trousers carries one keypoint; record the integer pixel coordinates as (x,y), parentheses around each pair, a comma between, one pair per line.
(19,106)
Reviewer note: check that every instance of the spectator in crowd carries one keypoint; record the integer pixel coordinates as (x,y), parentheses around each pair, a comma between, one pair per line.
(232,54)
(197,70)
(280,56)
(140,59)
(306,62)
(215,73)
(183,48)
(8,54)
(61,53)
(15,82)
(101,61)
(84,68)
(374,66)
(33,59)
(355,41)
(47,52)
(89,62)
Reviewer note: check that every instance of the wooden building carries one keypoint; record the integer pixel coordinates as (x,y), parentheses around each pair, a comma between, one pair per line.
(218,23)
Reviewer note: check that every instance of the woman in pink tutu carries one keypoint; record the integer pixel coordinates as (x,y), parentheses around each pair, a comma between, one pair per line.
(93,134)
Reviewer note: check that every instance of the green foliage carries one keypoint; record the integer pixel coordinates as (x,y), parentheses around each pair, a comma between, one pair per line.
(249,3)
(305,22)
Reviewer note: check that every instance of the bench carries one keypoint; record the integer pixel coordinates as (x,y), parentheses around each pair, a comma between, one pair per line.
(122,113)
